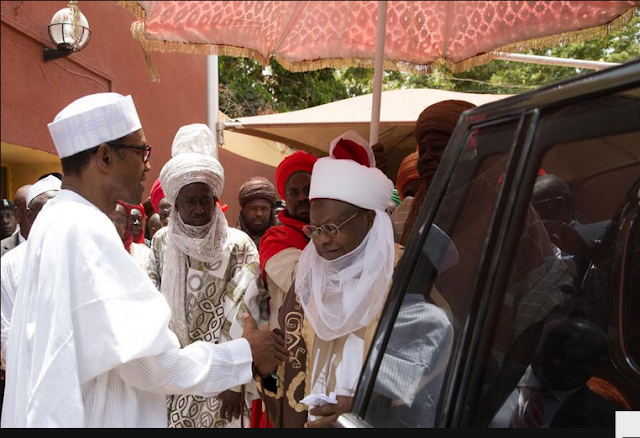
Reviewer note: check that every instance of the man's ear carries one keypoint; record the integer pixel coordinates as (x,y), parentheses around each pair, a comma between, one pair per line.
(105,157)
(370,217)
(30,215)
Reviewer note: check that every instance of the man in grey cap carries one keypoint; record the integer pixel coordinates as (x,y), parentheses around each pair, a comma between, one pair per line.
(91,345)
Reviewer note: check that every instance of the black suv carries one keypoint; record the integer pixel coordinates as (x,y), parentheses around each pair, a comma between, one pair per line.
(538,196)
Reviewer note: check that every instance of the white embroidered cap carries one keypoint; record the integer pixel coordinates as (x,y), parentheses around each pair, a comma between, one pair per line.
(44,185)
(92,120)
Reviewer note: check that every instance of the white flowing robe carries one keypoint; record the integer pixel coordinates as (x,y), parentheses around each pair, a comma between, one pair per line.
(11,269)
(90,344)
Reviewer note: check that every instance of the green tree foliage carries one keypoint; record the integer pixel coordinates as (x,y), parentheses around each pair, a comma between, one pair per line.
(249,89)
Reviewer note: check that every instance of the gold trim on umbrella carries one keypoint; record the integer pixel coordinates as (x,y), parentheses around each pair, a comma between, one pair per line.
(138,30)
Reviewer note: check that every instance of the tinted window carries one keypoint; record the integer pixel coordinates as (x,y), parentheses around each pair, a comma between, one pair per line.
(551,359)
(410,377)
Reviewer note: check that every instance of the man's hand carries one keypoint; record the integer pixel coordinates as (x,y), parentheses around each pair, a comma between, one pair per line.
(381,157)
(568,239)
(231,405)
(330,412)
(267,348)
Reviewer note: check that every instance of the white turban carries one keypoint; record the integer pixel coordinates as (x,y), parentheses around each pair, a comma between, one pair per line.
(191,168)
(92,120)
(191,163)
(344,295)
(50,183)
(349,181)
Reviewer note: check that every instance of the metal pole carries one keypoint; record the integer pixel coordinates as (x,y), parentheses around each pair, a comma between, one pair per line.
(374,132)
(549,60)
(212,97)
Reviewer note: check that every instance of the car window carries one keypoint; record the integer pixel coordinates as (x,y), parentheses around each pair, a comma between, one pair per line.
(551,357)
(409,380)
(632,286)
(548,323)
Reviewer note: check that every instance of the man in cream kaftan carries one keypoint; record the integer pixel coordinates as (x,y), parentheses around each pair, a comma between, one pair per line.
(208,272)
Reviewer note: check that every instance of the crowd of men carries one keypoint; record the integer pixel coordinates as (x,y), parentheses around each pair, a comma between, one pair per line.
(190,321)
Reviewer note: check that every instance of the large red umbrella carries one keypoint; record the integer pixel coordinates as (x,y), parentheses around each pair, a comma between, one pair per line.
(306,35)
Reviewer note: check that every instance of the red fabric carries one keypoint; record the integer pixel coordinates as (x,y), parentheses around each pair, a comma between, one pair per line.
(276,239)
(258,417)
(157,195)
(531,414)
(128,237)
(298,162)
(350,150)
(221,206)
(140,208)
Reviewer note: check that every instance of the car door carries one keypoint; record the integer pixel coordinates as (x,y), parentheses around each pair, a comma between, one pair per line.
(527,232)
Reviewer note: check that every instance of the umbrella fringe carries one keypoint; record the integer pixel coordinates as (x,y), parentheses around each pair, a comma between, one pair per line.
(138,30)
(577,36)
(134,8)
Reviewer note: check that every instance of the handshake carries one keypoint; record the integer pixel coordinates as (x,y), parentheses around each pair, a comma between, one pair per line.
(267,348)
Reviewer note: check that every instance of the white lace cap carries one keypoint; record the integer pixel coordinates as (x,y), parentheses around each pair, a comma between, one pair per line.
(92,120)
(196,138)
(50,183)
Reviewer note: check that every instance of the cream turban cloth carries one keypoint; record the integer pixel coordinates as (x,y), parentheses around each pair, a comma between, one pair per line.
(192,162)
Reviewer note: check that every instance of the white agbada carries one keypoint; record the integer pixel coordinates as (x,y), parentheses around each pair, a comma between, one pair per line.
(12,263)
(89,344)
(11,269)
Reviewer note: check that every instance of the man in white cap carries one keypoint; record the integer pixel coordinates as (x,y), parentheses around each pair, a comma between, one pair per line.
(90,345)
(341,284)
(208,272)
(37,196)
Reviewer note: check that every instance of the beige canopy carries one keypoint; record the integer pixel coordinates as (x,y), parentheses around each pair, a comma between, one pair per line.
(313,129)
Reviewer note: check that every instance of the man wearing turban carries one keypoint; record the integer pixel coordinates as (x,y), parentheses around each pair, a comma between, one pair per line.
(282,245)
(407,182)
(208,272)
(341,284)
(257,198)
(160,203)
(433,129)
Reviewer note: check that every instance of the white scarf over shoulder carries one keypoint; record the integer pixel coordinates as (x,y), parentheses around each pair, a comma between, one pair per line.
(343,295)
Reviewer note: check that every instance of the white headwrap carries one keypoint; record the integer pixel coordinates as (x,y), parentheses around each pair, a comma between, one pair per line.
(92,120)
(50,183)
(207,243)
(343,295)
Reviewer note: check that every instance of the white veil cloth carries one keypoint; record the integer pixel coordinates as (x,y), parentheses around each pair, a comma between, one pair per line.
(192,162)
(344,295)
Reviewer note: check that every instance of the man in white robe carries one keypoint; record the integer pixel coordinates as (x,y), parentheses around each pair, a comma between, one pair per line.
(208,272)
(90,344)
(36,197)
(343,280)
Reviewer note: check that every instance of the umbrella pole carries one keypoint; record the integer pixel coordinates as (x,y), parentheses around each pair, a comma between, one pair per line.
(374,130)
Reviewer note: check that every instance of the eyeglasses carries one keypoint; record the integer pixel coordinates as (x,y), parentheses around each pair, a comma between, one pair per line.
(145,148)
(332,230)
(546,202)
